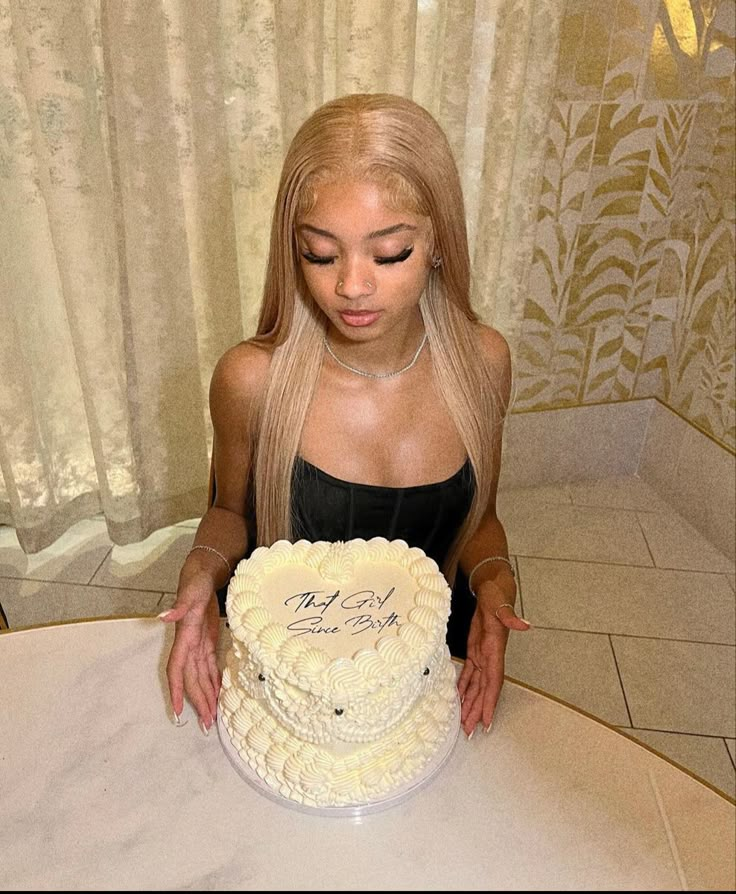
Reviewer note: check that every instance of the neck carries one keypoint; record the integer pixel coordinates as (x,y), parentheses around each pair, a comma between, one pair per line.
(380,355)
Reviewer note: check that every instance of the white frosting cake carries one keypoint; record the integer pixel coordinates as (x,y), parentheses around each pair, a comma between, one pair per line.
(338,688)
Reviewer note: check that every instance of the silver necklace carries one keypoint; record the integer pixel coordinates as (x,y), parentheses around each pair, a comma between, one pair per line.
(369,375)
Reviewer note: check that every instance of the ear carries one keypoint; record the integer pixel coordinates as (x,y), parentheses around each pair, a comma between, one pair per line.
(430,245)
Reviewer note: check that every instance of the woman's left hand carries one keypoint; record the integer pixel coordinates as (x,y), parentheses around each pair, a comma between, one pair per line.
(481,678)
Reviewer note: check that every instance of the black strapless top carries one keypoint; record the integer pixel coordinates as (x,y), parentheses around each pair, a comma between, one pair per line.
(425,515)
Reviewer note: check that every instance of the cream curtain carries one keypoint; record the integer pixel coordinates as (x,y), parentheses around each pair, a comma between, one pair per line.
(140,147)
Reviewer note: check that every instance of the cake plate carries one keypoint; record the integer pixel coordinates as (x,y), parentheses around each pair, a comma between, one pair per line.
(395,797)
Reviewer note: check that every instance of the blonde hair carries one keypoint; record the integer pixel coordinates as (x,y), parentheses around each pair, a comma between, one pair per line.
(394,142)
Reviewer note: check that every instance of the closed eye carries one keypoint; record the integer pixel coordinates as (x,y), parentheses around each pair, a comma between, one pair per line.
(316,259)
(328,259)
(396,259)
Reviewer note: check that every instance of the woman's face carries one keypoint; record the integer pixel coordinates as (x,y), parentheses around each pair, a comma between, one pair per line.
(365,264)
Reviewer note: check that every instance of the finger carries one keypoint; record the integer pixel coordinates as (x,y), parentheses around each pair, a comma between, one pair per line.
(491,693)
(198,698)
(474,707)
(471,708)
(508,617)
(175,676)
(465,677)
(209,691)
(216,681)
(175,613)
(470,696)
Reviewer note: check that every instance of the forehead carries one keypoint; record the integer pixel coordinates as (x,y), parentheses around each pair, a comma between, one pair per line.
(356,208)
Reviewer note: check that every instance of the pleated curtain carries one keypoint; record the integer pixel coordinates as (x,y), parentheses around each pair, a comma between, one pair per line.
(140,147)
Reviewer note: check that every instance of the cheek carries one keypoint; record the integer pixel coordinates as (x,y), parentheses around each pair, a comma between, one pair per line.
(414,283)
(319,282)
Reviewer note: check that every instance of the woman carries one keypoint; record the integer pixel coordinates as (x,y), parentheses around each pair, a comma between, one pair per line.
(371,401)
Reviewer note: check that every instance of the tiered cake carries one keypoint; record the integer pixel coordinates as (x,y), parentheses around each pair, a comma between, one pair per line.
(339,689)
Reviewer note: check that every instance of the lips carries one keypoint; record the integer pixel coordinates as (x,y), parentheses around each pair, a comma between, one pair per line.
(359,317)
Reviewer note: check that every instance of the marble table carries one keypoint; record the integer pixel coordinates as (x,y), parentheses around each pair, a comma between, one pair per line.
(99,790)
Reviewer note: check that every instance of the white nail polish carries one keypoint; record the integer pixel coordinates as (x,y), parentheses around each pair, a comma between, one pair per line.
(204,728)
(488,728)
(163,615)
(178,721)
(472,733)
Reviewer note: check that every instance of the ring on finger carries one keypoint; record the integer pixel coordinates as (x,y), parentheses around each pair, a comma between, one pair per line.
(502,605)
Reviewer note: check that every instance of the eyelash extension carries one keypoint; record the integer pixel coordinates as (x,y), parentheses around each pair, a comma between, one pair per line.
(315,259)
(396,259)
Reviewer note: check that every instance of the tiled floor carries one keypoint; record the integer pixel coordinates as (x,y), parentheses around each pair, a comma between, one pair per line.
(632,611)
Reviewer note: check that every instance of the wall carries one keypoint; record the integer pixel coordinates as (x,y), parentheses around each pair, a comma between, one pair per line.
(631,293)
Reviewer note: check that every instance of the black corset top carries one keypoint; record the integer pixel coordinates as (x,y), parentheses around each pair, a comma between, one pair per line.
(425,515)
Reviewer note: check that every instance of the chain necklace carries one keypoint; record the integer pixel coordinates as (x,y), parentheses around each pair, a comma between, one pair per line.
(370,375)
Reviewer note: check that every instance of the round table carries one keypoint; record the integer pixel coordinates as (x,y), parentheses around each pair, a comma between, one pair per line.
(99,790)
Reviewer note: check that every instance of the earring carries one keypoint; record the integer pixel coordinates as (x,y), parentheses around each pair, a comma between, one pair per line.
(436,262)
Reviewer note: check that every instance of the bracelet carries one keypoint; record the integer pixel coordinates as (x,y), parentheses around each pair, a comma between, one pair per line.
(211,549)
(483,562)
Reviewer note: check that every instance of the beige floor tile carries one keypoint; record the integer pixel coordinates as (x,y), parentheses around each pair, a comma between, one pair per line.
(677,544)
(576,667)
(584,533)
(702,856)
(538,497)
(731,578)
(28,603)
(618,493)
(167,601)
(677,686)
(731,745)
(654,602)
(705,756)
(153,564)
(74,557)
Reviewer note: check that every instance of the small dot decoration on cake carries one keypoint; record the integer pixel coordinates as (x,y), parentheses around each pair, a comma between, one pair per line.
(338,689)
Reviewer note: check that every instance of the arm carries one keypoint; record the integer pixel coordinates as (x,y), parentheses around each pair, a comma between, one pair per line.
(192,666)
(493,582)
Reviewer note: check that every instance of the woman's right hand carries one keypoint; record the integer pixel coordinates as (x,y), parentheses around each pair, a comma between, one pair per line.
(192,667)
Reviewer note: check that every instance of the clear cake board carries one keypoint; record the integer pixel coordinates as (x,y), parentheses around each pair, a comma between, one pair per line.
(395,797)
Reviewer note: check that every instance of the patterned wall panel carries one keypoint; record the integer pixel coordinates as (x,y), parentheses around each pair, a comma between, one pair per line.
(632,291)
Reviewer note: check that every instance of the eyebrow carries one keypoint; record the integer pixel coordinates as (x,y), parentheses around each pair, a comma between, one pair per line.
(376,234)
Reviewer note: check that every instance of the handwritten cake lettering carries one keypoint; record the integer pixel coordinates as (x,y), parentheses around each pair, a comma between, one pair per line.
(338,688)
(366,601)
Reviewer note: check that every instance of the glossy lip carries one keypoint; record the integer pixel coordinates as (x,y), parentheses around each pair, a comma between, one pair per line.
(360,317)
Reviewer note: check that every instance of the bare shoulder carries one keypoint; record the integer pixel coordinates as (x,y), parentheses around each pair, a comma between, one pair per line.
(494,345)
(239,380)
(497,354)
(243,369)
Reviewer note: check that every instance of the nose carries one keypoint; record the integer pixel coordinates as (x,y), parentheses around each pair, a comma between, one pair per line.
(353,282)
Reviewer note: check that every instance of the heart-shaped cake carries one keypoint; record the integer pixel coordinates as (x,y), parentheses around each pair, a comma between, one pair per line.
(338,689)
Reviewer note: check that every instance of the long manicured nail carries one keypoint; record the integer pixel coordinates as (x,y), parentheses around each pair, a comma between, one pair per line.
(528,623)
(178,721)
(163,615)
(488,728)
(472,733)
(203,727)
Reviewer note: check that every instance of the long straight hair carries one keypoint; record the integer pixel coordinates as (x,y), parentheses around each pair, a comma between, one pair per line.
(395,143)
